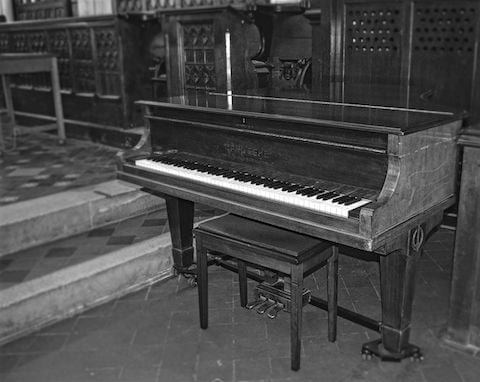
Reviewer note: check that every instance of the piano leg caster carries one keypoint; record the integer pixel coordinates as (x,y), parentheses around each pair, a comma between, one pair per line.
(375,348)
(189,273)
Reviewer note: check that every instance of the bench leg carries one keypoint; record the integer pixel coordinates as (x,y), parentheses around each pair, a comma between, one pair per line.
(296,315)
(202,282)
(332,292)
(242,280)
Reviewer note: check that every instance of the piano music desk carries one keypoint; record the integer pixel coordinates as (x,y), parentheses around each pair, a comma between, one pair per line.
(20,63)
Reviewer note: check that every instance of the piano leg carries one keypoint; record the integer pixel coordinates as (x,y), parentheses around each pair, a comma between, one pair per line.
(180,219)
(397,278)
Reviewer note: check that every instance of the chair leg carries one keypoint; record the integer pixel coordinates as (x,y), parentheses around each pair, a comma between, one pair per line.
(242,281)
(202,282)
(296,315)
(332,292)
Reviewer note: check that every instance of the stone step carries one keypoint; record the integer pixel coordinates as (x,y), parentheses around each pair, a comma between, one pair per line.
(42,301)
(42,220)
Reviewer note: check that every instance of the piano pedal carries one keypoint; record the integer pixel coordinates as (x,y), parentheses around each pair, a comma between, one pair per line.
(279,283)
(272,312)
(253,304)
(265,306)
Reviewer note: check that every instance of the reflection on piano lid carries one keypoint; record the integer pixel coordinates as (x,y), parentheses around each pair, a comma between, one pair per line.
(315,107)
(343,172)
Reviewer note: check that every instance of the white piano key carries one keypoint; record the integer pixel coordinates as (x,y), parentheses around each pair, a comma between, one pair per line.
(262,191)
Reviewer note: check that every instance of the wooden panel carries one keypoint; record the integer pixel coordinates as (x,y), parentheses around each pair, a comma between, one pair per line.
(103,66)
(199,55)
(374,47)
(83,74)
(196,57)
(443,47)
(59,43)
(45,9)
(108,69)
(423,51)
(267,154)
(464,311)
(421,175)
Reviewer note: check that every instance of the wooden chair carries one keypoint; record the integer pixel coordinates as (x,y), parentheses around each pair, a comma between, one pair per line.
(261,245)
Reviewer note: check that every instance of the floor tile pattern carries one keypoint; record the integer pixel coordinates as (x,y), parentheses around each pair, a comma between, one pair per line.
(39,166)
(38,261)
(154,335)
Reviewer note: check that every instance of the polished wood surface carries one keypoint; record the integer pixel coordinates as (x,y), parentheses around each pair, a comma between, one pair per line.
(375,118)
(407,167)
(464,311)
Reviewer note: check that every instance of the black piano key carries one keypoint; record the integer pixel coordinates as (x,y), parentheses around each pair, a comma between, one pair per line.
(270,183)
(312,192)
(242,177)
(278,184)
(341,199)
(255,181)
(292,187)
(306,191)
(288,186)
(353,200)
(327,196)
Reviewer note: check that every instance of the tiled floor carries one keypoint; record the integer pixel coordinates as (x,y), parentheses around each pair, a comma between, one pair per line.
(38,261)
(37,166)
(154,335)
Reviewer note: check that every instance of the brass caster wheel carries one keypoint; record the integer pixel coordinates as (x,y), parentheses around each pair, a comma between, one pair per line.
(366,355)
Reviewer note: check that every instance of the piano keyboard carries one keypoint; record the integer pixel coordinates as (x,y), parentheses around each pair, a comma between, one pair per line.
(295,194)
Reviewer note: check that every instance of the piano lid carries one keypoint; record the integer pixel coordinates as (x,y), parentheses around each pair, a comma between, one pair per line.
(303,106)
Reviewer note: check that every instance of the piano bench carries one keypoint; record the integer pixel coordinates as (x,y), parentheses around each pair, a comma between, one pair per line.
(261,245)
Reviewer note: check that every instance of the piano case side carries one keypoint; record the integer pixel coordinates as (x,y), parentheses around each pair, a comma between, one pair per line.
(143,148)
(420,177)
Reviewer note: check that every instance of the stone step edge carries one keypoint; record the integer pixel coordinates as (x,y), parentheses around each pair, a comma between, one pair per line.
(37,303)
(42,220)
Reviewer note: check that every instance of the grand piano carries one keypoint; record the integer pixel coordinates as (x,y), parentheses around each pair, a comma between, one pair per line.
(370,177)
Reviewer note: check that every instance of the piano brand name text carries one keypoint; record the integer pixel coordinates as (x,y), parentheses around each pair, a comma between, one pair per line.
(239,150)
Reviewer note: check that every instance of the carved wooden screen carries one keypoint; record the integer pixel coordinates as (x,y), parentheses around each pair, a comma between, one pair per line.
(196,49)
(132,6)
(424,50)
(443,51)
(199,55)
(25,42)
(373,43)
(108,63)
(60,46)
(83,61)
(44,9)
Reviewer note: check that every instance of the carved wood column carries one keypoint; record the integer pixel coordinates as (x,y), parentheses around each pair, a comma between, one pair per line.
(464,312)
